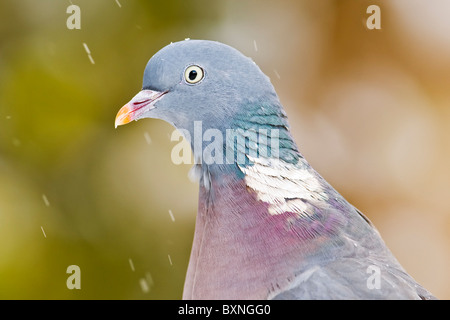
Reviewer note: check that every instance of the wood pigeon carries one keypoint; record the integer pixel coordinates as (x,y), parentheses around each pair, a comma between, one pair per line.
(268,225)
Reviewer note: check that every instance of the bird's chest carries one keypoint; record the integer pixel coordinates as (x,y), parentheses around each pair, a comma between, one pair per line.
(240,251)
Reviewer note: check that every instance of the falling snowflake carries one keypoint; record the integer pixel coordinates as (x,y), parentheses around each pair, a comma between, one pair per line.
(45,236)
(88,52)
(47,203)
(171,216)
(147,138)
(276,73)
(131,264)
(144,285)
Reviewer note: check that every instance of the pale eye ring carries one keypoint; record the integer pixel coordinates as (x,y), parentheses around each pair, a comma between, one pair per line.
(193,74)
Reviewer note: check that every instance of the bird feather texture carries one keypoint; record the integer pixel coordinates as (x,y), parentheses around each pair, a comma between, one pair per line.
(268,225)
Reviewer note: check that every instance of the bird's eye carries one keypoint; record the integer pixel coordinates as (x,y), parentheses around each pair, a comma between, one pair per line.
(193,74)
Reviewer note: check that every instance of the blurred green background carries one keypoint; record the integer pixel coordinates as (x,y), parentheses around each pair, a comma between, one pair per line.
(370,110)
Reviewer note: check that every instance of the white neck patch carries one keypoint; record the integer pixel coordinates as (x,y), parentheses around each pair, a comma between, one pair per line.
(284,186)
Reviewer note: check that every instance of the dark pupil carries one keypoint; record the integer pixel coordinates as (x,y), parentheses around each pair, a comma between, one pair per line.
(192,75)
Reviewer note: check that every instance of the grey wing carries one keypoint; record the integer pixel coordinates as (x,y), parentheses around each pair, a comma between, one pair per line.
(353,279)
(349,259)
(355,265)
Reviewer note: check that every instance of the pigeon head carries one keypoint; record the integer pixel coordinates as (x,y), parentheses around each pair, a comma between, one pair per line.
(198,80)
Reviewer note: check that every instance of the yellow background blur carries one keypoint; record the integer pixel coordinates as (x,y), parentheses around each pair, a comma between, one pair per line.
(369,109)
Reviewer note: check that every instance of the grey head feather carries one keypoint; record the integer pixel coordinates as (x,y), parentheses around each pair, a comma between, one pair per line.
(231,80)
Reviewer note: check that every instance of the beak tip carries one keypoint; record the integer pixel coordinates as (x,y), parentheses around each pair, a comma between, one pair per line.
(123,116)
